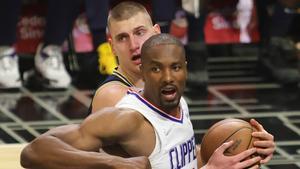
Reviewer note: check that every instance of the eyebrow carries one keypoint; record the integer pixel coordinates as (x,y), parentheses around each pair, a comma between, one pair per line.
(139,27)
(121,35)
(125,34)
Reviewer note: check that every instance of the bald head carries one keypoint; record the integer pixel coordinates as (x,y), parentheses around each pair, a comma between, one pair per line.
(160,39)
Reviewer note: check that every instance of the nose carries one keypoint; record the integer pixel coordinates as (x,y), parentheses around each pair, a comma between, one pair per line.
(133,44)
(168,76)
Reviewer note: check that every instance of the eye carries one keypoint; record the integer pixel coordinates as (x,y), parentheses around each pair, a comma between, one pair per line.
(176,67)
(155,69)
(121,38)
(140,32)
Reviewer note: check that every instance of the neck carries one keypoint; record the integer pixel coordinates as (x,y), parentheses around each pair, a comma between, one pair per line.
(174,111)
(134,78)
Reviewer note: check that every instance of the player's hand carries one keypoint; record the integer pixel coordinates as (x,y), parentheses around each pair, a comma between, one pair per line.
(265,144)
(219,161)
(141,162)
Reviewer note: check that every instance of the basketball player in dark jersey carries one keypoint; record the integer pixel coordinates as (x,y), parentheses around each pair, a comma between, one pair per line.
(129,26)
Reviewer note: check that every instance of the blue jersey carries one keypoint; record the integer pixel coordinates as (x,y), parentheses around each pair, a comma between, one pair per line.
(175,146)
(117,76)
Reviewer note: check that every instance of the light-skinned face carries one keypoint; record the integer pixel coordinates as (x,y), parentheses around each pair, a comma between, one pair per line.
(127,37)
(164,72)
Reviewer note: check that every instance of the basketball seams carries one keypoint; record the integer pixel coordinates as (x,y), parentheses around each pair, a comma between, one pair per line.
(245,127)
(237,129)
(227,121)
(236,132)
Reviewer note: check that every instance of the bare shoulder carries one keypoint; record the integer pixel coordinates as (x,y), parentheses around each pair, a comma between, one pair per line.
(111,89)
(116,120)
(115,114)
(130,115)
(63,129)
(108,95)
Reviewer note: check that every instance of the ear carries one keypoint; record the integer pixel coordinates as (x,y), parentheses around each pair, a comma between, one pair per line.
(156,28)
(187,72)
(109,39)
(186,64)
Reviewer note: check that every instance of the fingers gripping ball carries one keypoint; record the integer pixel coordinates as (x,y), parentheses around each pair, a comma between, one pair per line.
(226,130)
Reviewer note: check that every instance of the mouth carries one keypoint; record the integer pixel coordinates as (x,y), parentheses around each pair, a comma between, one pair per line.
(169,92)
(136,59)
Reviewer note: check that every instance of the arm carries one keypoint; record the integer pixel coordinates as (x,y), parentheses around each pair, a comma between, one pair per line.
(240,161)
(58,154)
(108,95)
(75,146)
(265,145)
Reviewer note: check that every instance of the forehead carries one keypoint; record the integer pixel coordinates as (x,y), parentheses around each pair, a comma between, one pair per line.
(165,53)
(128,25)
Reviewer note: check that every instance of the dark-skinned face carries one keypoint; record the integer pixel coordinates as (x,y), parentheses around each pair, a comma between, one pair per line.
(164,72)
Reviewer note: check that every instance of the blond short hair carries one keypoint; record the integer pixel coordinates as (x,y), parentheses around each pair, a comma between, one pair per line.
(126,10)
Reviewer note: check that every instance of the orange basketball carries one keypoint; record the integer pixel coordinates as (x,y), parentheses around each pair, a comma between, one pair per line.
(226,130)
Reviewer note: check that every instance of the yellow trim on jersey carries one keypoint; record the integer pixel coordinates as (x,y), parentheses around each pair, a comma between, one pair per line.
(123,77)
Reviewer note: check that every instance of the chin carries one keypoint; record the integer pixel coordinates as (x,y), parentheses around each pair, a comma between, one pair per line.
(171,104)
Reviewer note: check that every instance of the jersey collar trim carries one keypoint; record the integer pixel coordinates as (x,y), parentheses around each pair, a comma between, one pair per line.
(156,109)
(125,80)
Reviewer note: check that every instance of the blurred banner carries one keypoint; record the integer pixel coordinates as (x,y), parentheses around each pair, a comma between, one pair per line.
(235,23)
(31,26)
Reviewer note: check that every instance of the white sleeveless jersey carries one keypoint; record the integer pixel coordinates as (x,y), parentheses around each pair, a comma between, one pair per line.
(175,146)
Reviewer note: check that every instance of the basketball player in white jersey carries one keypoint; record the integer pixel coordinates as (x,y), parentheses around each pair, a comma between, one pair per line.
(161,104)
(152,126)
(129,25)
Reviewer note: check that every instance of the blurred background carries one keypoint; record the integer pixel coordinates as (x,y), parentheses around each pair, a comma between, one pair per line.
(243,62)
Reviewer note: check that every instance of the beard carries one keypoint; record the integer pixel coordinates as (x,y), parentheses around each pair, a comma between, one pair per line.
(169,105)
